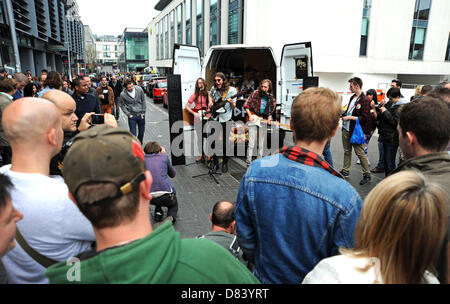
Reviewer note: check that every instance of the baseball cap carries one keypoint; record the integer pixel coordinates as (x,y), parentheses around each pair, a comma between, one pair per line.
(104,154)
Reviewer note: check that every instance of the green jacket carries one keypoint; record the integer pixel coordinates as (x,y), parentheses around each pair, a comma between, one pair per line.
(160,258)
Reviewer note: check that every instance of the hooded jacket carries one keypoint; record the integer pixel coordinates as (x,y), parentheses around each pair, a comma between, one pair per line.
(436,167)
(160,258)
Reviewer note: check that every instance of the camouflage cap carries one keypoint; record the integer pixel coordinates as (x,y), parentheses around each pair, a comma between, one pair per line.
(104,154)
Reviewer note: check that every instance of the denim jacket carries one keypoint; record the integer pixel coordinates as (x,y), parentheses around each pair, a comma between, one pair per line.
(289,216)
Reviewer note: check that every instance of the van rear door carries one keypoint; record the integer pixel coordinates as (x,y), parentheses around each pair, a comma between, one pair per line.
(186,62)
(296,65)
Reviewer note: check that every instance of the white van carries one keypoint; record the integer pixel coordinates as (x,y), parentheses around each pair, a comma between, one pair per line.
(242,63)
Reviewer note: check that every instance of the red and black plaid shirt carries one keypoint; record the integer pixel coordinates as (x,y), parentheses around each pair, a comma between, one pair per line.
(308,158)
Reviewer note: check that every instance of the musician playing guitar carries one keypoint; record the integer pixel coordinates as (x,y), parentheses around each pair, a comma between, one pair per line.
(260,104)
(222,91)
(200,99)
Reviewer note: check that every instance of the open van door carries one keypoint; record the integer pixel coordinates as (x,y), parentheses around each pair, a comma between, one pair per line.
(296,71)
(186,62)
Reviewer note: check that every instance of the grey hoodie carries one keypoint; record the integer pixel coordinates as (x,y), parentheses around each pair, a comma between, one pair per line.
(133,106)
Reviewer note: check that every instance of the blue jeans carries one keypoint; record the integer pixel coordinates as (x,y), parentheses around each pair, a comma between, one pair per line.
(327,154)
(390,153)
(140,122)
(382,157)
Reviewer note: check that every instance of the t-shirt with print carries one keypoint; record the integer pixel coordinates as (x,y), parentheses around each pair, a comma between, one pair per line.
(52,225)
(105,94)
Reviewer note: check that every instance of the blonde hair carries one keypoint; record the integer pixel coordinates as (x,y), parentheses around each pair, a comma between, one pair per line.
(402,223)
(418,91)
(315,114)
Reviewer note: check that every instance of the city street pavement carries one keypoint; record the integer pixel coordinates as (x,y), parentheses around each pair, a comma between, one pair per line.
(196,196)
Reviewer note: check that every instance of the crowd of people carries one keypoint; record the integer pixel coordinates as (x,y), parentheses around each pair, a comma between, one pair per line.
(72,190)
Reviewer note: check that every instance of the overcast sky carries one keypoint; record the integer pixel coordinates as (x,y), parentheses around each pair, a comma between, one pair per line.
(111,17)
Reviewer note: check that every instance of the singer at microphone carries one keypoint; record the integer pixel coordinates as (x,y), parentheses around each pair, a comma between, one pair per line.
(200,99)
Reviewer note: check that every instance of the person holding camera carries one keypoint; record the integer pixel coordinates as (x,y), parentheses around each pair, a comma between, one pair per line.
(162,191)
(132,102)
(387,117)
(66,106)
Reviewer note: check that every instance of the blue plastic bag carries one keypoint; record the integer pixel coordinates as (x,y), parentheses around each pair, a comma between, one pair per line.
(358,135)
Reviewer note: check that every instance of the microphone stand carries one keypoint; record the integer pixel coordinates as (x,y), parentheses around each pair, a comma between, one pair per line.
(211,164)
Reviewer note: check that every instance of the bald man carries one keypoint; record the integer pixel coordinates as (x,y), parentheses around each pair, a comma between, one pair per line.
(223,231)
(52,225)
(67,106)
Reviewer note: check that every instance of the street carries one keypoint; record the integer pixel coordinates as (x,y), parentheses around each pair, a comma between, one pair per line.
(196,196)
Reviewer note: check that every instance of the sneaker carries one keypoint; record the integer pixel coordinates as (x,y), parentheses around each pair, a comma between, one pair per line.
(365,180)
(344,174)
(169,218)
(377,170)
(158,217)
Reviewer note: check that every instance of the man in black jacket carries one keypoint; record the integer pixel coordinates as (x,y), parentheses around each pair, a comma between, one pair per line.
(116,85)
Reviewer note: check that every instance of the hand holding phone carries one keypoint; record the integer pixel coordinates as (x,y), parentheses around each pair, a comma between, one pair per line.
(97,119)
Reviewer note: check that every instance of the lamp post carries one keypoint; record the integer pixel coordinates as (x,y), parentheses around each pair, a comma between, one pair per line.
(12,27)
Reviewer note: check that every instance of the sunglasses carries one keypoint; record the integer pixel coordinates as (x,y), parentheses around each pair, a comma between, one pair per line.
(218,80)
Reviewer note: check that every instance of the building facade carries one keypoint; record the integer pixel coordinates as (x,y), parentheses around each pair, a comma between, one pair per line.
(107,48)
(90,51)
(376,40)
(49,35)
(133,50)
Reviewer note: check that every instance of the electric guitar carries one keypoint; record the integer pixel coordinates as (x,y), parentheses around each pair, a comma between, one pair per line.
(259,119)
(219,106)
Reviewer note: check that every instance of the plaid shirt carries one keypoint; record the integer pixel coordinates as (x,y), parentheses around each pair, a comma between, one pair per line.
(254,104)
(308,158)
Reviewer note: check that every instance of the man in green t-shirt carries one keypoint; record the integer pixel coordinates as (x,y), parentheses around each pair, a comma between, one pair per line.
(106,176)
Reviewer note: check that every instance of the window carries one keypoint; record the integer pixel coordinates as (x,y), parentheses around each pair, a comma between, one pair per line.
(214,23)
(157,41)
(365,28)
(137,48)
(107,55)
(172,31)
(161,39)
(200,25)
(188,22)
(106,47)
(447,54)
(166,36)
(235,21)
(419,29)
(179,23)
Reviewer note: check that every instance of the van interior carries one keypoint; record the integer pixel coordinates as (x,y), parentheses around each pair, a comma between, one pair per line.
(242,66)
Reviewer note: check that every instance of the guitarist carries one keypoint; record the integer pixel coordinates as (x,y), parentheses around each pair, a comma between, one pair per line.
(200,99)
(222,91)
(261,103)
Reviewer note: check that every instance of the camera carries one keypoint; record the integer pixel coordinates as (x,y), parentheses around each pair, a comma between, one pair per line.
(98,119)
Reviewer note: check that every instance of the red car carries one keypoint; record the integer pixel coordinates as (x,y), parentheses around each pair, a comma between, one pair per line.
(159,90)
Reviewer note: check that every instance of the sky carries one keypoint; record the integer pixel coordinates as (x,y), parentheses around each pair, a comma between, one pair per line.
(111,17)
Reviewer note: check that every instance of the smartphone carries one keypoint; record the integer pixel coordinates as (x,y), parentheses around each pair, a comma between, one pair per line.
(98,119)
